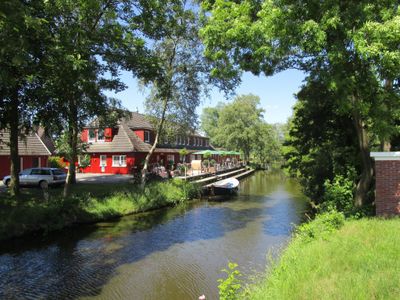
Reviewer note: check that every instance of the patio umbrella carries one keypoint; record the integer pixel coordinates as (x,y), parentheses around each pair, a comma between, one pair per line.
(204,152)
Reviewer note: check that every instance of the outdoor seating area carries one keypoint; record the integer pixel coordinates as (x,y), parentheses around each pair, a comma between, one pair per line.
(212,161)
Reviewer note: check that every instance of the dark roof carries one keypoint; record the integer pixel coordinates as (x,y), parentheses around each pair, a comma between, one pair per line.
(126,139)
(137,121)
(34,143)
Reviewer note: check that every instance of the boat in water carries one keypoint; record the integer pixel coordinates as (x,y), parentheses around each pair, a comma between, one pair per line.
(225,187)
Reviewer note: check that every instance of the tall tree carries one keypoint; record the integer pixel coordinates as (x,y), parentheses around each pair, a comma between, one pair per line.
(316,37)
(23,40)
(234,126)
(320,143)
(93,41)
(176,93)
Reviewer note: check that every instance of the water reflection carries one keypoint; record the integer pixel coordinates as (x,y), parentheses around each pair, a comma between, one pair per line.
(168,254)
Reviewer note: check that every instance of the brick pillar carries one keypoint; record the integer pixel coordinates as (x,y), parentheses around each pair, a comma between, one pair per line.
(387,174)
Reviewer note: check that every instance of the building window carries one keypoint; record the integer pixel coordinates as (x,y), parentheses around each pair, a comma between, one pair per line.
(206,143)
(103,160)
(147,136)
(100,135)
(92,135)
(119,161)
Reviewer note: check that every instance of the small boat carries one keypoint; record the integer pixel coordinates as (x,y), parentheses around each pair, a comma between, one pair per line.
(225,187)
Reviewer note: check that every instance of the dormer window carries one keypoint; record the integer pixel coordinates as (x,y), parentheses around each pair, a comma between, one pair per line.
(147,136)
(91,135)
(100,135)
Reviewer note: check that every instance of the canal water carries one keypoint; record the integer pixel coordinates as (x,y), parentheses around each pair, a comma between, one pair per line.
(175,253)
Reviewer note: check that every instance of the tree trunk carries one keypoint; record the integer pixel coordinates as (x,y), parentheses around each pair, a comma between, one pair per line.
(15,160)
(73,156)
(365,180)
(154,146)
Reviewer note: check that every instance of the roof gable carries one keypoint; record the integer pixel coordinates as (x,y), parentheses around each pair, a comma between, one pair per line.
(31,144)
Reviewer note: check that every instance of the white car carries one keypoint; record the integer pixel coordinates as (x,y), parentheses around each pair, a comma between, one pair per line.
(42,177)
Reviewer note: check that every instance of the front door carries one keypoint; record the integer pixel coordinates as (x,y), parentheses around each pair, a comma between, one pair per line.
(103,163)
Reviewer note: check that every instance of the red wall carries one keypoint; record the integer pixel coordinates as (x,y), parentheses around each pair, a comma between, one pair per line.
(131,160)
(140,134)
(84,135)
(5,164)
(108,132)
(387,198)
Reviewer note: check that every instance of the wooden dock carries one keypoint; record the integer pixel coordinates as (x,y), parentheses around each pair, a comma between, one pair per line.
(242,173)
(218,176)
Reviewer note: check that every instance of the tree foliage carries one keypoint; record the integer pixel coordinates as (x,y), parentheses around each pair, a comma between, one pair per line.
(58,56)
(183,77)
(239,125)
(351,45)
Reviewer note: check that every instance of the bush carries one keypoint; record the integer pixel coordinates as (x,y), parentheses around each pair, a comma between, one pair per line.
(229,287)
(339,195)
(56,162)
(322,226)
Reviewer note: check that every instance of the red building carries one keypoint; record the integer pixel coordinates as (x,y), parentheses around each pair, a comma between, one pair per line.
(120,149)
(34,151)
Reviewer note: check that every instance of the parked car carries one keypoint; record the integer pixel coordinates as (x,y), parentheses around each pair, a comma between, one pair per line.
(42,177)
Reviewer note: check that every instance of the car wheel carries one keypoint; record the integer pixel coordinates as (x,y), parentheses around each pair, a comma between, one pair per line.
(8,182)
(44,184)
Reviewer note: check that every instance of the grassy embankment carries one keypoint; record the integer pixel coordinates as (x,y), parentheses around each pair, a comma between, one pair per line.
(33,211)
(361,260)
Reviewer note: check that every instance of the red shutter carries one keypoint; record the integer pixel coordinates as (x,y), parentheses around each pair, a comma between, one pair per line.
(108,134)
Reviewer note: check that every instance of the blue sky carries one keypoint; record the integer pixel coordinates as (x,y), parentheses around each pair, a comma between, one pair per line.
(276,94)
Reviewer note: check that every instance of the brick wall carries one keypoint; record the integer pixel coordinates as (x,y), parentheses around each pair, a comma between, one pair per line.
(387,198)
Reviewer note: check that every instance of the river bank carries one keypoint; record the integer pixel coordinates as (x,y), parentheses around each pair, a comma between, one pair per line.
(360,260)
(174,253)
(42,212)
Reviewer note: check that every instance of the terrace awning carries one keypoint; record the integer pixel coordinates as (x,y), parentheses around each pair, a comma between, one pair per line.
(215,152)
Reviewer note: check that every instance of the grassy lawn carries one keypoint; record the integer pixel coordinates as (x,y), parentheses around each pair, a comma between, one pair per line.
(361,260)
(33,210)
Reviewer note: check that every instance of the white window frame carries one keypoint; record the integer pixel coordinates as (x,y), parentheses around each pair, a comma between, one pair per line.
(103,163)
(119,162)
(104,135)
(146,140)
(88,135)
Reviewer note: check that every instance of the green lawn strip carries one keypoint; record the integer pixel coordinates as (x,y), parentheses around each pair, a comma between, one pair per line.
(32,211)
(359,261)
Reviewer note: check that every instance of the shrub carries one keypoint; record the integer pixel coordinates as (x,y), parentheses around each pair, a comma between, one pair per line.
(56,162)
(84,161)
(338,194)
(322,226)
(229,287)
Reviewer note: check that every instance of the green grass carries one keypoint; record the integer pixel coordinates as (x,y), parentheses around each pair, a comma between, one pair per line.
(35,211)
(359,261)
